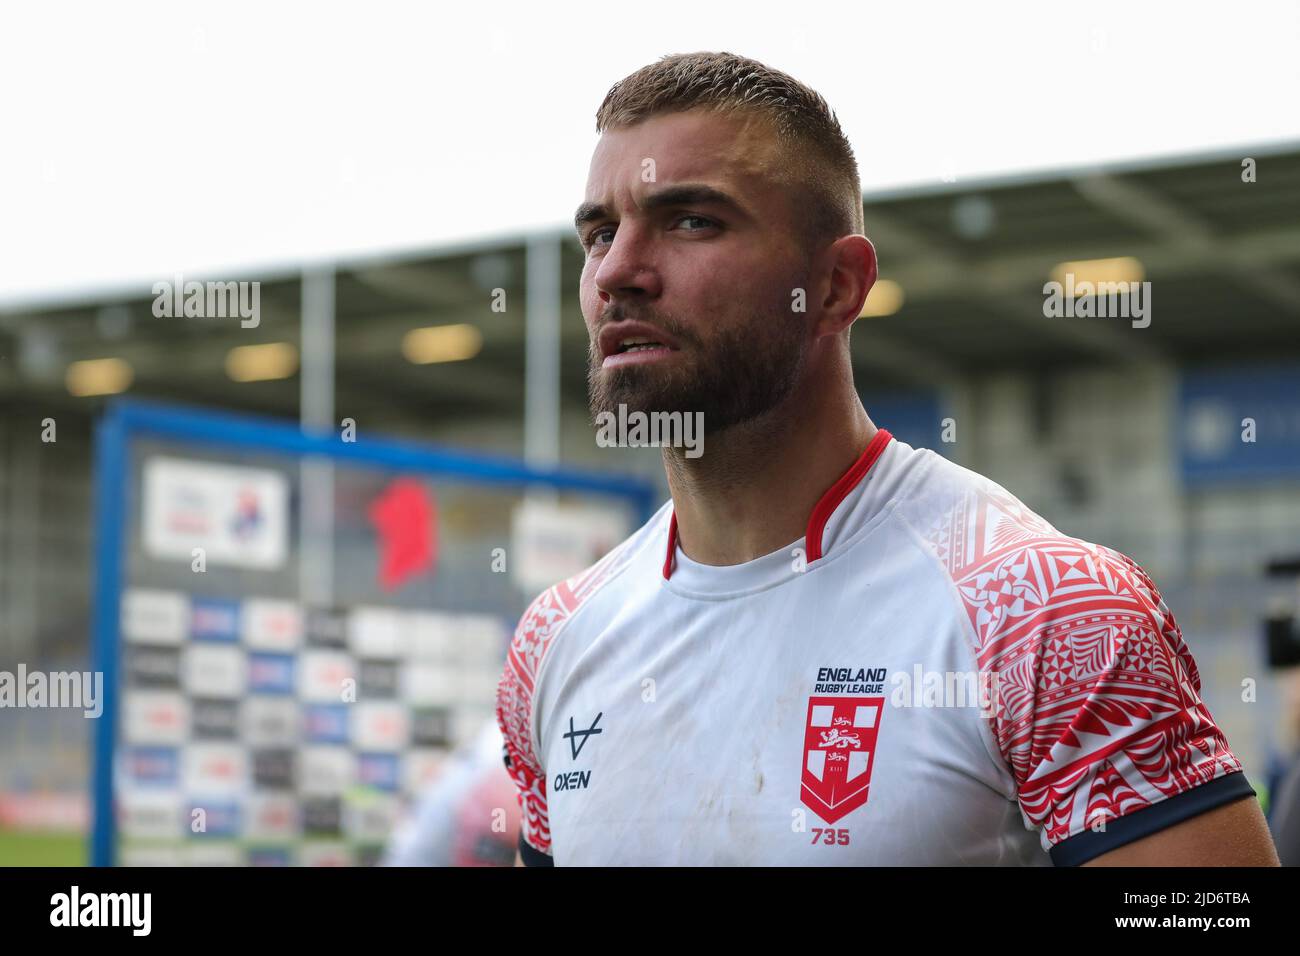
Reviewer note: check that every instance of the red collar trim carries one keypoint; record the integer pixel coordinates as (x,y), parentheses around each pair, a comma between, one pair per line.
(824,508)
(672,546)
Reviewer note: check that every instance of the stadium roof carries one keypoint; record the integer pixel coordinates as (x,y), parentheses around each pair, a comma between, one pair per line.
(971,259)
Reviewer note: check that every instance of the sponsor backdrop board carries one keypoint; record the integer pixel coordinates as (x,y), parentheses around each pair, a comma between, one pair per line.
(296,631)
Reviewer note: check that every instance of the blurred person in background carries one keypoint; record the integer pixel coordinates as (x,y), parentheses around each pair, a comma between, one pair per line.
(1285,816)
(468,815)
(1284,790)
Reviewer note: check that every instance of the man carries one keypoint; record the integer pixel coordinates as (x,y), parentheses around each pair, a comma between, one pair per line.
(764,673)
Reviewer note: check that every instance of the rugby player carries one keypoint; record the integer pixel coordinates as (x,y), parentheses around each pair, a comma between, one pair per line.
(763,673)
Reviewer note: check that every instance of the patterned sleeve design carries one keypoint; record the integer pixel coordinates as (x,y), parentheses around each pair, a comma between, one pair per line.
(1099,708)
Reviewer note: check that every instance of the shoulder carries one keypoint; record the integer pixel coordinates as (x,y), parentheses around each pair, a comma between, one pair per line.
(1098,710)
(1025,586)
(552,612)
(961,515)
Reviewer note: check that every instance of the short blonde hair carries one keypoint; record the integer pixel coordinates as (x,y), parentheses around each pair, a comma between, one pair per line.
(819,160)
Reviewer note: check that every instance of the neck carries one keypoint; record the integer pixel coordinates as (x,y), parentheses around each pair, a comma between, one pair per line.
(755,487)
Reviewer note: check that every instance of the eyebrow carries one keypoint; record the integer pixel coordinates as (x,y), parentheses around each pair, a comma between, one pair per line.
(686,194)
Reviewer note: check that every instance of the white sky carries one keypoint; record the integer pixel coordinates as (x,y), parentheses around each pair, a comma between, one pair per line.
(140,140)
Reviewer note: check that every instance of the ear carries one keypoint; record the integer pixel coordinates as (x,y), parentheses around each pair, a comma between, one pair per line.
(853,273)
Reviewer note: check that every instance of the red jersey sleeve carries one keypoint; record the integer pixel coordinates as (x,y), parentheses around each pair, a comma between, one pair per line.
(1099,715)
(514,712)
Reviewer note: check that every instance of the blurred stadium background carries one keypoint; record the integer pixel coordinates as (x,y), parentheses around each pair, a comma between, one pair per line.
(1131,437)
(1126,436)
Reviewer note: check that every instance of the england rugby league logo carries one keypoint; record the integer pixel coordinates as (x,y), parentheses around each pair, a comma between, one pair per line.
(838,751)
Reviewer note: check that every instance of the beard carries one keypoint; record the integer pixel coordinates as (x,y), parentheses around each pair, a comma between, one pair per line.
(732,376)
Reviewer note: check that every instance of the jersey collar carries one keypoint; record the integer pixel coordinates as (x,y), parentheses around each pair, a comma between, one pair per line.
(821,512)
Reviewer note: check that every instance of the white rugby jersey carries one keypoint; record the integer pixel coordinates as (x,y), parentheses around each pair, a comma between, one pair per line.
(784,711)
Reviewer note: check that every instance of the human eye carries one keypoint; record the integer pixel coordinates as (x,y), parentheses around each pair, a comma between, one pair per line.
(592,236)
(708,223)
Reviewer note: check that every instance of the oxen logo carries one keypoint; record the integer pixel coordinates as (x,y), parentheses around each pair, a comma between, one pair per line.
(839,744)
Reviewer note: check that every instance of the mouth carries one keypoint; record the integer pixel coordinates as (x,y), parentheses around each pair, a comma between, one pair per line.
(637,353)
(633,343)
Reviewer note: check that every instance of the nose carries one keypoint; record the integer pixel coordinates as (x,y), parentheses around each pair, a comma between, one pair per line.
(626,269)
